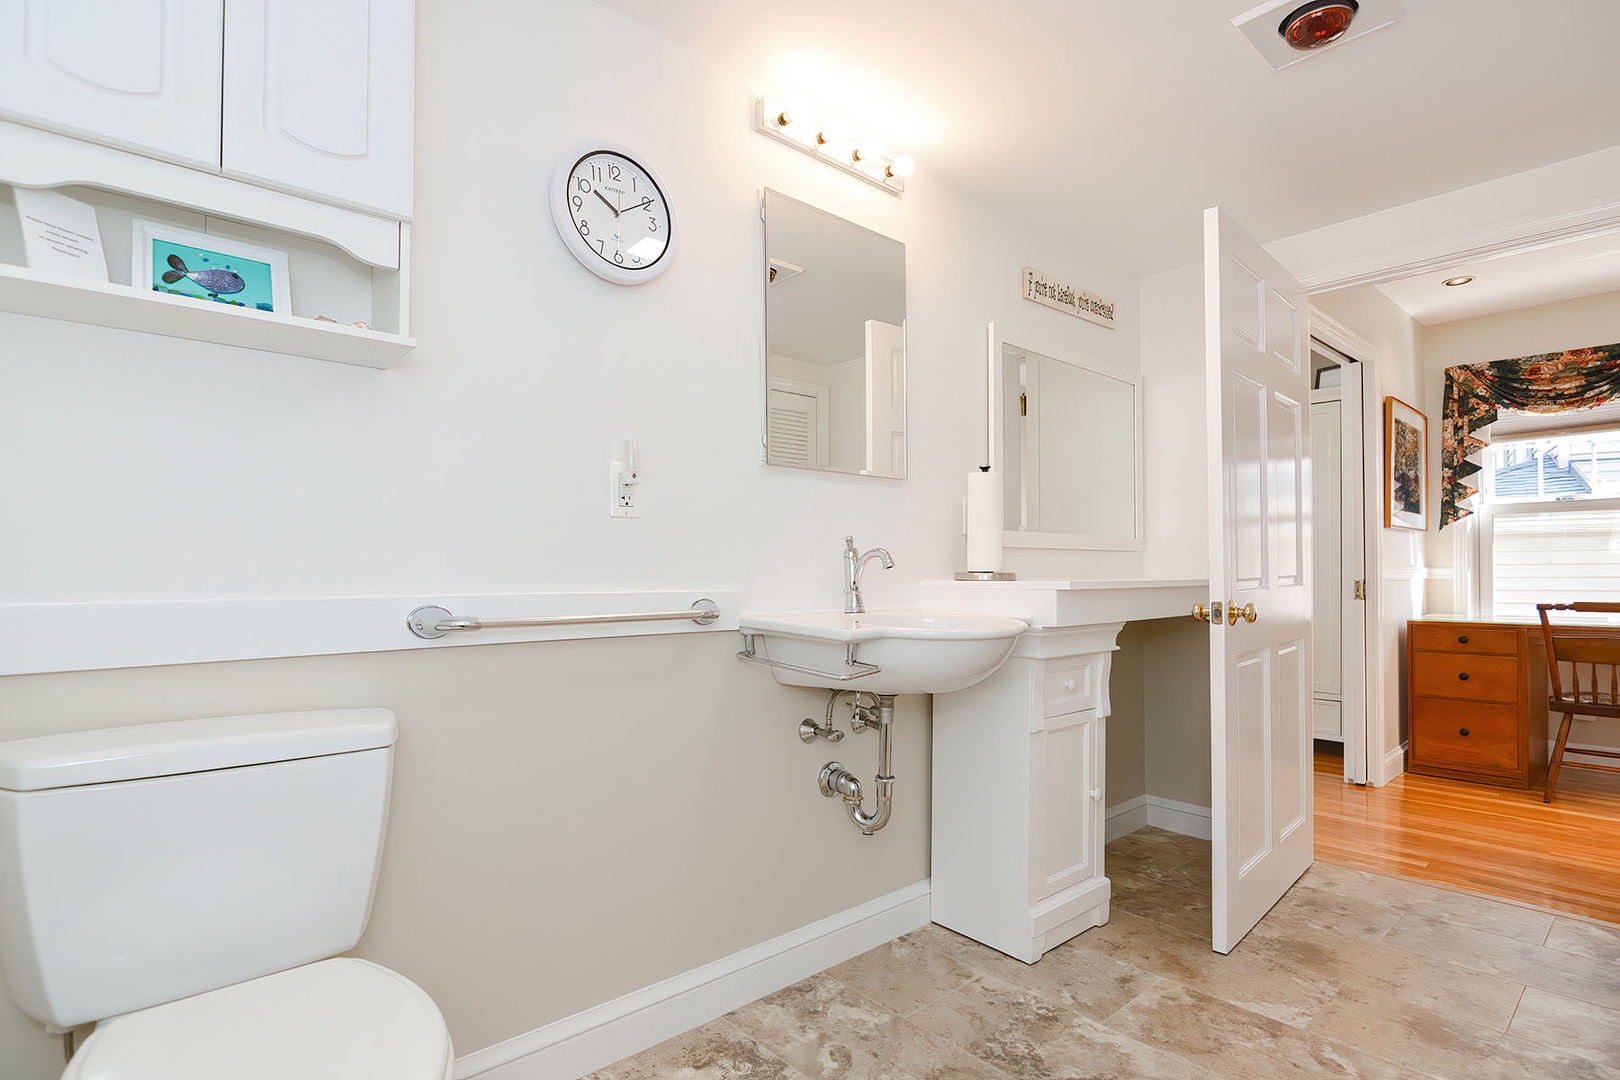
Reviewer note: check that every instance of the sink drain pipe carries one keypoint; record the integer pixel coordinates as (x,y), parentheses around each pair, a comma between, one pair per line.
(837,780)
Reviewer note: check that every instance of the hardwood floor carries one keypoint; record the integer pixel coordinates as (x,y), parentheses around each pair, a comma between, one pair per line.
(1496,841)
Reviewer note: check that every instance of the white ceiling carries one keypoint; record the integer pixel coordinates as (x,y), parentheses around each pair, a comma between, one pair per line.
(1124,119)
(1563,272)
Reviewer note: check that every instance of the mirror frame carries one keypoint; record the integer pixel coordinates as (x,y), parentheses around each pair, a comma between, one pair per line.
(1017,538)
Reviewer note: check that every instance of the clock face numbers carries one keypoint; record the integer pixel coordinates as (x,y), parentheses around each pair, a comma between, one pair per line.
(618,211)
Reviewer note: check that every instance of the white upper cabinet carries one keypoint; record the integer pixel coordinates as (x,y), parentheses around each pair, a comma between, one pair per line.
(141,75)
(318,99)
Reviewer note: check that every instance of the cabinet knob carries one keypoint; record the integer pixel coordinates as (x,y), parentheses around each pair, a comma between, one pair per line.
(1463,732)
(1069,685)
(1463,675)
(1096,794)
(1462,639)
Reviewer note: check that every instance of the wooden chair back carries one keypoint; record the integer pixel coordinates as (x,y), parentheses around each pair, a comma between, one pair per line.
(1592,659)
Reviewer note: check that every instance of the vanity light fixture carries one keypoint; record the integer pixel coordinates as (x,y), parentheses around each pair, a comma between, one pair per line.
(864,158)
(1454,281)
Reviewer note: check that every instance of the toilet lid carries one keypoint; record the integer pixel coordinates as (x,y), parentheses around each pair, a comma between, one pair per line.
(337,1019)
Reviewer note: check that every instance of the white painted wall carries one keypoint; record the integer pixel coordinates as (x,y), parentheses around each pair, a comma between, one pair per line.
(572,821)
(165,469)
(1483,211)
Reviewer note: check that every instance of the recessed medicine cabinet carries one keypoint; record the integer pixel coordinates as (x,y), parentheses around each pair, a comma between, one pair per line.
(1066,432)
(835,343)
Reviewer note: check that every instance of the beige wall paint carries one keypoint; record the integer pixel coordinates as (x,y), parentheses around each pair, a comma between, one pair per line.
(571,821)
(1125,768)
(1176,702)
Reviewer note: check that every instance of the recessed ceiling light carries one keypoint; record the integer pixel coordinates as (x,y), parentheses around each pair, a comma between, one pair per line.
(1321,22)
(1458,280)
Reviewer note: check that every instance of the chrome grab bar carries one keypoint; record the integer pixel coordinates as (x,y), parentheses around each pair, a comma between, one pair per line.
(432,621)
(749,655)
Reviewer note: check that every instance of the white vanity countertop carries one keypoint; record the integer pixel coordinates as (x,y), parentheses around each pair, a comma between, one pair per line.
(1047,603)
(1069,586)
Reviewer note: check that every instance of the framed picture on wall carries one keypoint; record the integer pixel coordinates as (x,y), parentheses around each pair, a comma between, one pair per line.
(1406,466)
(180,262)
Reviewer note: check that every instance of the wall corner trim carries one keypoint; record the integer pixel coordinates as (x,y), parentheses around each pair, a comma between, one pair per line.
(586,1041)
(1394,765)
(1125,818)
(1188,819)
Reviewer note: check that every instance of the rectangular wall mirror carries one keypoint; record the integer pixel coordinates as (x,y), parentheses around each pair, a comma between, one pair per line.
(835,343)
(1066,432)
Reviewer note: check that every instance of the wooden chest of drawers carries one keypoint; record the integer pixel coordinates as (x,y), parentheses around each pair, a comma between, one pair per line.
(1477,702)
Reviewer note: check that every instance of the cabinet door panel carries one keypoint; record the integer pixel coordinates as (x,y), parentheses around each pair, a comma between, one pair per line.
(318,98)
(1063,778)
(142,75)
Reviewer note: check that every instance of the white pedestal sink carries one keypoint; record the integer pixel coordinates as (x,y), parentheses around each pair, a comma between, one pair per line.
(882,652)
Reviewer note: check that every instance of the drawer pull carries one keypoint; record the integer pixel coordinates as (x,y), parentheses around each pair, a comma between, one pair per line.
(1463,732)
(1463,675)
(1069,685)
(1462,639)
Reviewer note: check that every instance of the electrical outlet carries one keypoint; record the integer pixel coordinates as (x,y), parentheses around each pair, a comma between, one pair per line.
(622,492)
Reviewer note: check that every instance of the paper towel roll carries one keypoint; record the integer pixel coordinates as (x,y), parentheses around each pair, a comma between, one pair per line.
(986,517)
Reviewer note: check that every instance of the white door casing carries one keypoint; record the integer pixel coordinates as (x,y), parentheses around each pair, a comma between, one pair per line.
(318,99)
(1258,399)
(1353,567)
(141,75)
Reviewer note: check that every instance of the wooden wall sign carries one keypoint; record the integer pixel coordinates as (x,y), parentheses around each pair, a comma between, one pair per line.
(1061,296)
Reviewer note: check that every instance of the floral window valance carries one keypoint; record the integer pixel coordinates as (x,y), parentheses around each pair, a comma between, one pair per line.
(1547,383)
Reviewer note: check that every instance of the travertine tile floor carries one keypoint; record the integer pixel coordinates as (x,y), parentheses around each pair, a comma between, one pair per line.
(1350,975)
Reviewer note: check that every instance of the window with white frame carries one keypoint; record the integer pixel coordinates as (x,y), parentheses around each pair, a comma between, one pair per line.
(1550,515)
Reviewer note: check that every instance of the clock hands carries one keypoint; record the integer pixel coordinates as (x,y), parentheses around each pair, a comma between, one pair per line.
(605,202)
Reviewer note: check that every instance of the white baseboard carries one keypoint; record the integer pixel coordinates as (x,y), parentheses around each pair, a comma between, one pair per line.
(1125,818)
(1179,817)
(586,1041)
(1394,765)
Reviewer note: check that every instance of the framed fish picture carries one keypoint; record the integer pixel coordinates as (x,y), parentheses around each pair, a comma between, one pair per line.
(179,262)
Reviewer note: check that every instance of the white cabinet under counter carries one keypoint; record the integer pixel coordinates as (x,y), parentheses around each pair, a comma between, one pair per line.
(1018,788)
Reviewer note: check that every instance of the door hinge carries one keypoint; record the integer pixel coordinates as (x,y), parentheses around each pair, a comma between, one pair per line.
(1023,404)
(1360,591)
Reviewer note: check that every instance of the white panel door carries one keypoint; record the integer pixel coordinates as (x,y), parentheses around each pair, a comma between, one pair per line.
(318,99)
(885,399)
(141,75)
(1258,384)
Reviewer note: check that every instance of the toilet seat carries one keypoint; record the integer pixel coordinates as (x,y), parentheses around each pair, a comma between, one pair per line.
(341,1019)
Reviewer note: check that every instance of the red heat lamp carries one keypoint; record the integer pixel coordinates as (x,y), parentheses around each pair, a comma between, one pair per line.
(1321,22)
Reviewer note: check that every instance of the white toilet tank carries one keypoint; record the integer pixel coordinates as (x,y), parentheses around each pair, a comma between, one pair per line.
(143,864)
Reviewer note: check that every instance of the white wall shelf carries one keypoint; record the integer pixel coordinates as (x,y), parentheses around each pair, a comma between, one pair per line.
(27,292)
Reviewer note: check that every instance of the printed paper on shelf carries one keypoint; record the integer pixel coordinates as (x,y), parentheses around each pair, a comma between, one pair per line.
(60,235)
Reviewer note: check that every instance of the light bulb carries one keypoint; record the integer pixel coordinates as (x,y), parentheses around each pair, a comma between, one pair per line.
(868,152)
(831,135)
(902,166)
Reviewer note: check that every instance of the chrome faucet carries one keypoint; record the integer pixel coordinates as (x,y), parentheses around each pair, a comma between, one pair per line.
(853,565)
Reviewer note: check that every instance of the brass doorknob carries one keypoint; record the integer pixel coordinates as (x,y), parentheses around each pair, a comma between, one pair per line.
(1200,612)
(1234,613)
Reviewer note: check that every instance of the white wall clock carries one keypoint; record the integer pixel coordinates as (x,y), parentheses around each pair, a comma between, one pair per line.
(613,214)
